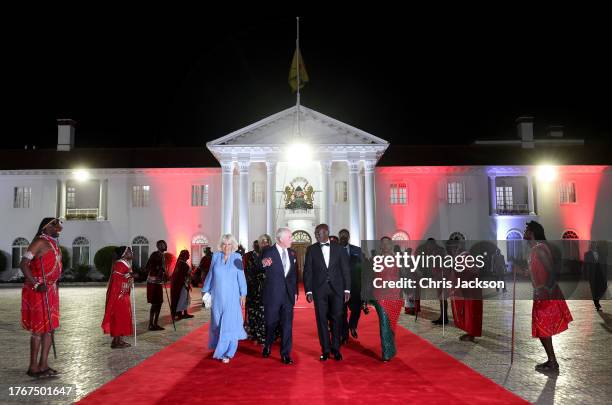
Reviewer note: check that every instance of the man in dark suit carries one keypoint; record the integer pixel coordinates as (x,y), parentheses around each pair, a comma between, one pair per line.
(354,304)
(327,281)
(279,292)
(595,269)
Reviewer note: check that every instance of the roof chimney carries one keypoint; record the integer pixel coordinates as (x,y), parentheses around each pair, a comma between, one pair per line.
(524,130)
(555,131)
(65,134)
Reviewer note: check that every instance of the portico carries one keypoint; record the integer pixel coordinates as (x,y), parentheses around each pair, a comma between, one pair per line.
(323,174)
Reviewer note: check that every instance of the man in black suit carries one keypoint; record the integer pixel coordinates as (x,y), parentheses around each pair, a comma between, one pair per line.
(279,292)
(327,281)
(354,304)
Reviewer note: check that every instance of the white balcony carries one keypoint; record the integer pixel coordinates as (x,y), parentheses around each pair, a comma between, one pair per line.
(83,214)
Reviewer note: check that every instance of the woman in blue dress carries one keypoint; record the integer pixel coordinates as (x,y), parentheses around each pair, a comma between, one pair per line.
(225,286)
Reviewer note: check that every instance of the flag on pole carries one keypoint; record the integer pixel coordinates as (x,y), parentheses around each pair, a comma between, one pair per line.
(293,72)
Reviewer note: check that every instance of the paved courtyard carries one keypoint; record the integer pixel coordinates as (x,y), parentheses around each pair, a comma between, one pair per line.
(85,358)
(87,361)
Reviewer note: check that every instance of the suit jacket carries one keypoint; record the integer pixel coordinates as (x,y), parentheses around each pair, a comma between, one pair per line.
(316,273)
(276,283)
(355,259)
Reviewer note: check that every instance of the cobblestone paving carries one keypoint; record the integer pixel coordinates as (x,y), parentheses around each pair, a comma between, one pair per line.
(583,351)
(87,361)
(85,358)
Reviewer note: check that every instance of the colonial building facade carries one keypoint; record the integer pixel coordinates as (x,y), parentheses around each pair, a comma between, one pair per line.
(298,168)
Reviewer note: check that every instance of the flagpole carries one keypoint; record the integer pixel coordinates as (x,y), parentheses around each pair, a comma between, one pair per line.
(297,47)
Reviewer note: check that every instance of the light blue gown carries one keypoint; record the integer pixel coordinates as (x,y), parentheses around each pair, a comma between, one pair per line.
(226,284)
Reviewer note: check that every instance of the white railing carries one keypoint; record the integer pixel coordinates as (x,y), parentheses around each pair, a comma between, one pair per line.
(82,214)
(512,209)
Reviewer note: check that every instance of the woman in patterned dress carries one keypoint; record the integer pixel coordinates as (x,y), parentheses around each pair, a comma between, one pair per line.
(388,304)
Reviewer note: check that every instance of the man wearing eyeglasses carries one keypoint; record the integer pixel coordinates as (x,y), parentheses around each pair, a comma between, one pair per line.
(42,267)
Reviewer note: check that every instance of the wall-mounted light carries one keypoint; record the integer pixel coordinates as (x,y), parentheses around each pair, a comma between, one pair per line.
(81,175)
(547,173)
(299,152)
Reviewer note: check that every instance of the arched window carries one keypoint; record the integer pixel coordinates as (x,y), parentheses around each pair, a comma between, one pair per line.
(514,245)
(571,245)
(301,237)
(140,250)
(20,245)
(456,236)
(198,246)
(80,251)
(400,235)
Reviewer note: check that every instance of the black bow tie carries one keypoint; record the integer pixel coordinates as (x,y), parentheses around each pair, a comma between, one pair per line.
(325,244)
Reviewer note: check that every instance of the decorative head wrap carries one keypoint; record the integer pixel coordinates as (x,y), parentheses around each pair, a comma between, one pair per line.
(44,223)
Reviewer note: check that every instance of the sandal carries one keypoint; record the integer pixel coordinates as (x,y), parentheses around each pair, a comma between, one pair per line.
(47,373)
(33,374)
(548,367)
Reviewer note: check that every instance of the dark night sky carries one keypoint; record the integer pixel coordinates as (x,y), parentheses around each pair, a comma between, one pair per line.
(182,80)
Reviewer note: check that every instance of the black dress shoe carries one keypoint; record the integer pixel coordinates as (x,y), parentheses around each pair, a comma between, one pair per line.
(337,356)
(353,332)
(266,351)
(324,356)
(287,360)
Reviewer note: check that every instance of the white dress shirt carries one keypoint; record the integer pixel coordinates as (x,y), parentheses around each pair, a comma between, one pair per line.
(325,250)
(288,263)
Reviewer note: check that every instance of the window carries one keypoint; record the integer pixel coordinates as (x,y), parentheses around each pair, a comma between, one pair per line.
(571,245)
(504,197)
(398,193)
(140,250)
(456,236)
(80,251)
(198,246)
(199,195)
(455,192)
(140,196)
(514,245)
(257,192)
(20,245)
(567,193)
(70,197)
(400,235)
(341,192)
(23,195)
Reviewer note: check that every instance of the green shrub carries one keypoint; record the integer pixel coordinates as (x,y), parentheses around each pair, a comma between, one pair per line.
(103,260)
(65,257)
(3,260)
(81,272)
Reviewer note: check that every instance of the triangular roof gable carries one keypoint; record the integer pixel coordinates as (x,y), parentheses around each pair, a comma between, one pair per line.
(315,129)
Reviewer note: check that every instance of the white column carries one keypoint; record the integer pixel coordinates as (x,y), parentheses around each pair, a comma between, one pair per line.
(361,187)
(530,199)
(243,205)
(493,196)
(326,218)
(270,197)
(62,202)
(227,196)
(102,201)
(355,230)
(370,199)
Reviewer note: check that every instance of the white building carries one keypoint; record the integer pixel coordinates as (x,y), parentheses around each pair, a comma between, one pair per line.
(270,177)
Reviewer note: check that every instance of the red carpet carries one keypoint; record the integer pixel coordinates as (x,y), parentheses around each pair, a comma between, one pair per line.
(185,372)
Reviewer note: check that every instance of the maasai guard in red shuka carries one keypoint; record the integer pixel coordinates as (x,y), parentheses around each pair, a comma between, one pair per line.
(467,303)
(34,314)
(550,314)
(118,312)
